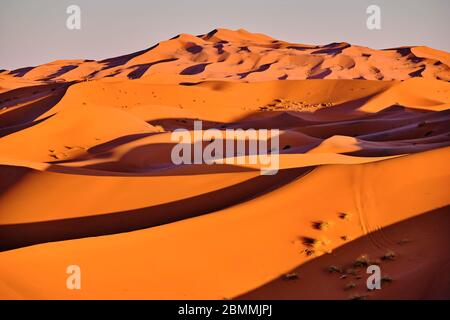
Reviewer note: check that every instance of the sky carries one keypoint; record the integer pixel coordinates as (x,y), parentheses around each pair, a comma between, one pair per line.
(34,32)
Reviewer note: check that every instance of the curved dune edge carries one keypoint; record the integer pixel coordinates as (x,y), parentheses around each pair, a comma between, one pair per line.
(287,161)
(46,223)
(238,249)
(90,195)
(22,178)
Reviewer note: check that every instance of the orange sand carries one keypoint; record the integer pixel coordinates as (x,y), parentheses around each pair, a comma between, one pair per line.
(87,178)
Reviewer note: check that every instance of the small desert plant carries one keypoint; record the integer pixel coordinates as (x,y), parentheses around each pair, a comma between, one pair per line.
(334,269)
(320,225)
(309,252)
(350,285)
(386,279)
(290,276)
(390,255)
(361,261)
(358,297)
(310,242)
(351,271)
(344,216)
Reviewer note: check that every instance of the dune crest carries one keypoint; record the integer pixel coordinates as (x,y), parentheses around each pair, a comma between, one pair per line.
(244,56)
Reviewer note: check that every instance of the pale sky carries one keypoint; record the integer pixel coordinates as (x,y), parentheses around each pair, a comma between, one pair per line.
(34,32)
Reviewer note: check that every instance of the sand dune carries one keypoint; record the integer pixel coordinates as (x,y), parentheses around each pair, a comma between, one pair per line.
(87,176)
(232,251)
(243,56)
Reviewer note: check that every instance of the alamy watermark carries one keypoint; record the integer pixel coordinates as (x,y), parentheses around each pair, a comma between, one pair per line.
(73,21)
(373,21)
(374,280)
(73,281)
(230,146)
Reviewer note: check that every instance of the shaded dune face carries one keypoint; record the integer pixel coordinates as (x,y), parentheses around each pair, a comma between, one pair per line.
(87,176)
(347,282)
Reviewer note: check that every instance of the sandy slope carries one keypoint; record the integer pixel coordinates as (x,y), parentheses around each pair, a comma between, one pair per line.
(414,272)
(87,177)
(234,250)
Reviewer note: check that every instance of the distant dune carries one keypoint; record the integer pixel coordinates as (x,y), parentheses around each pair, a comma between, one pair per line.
(247,57)
(87,176)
